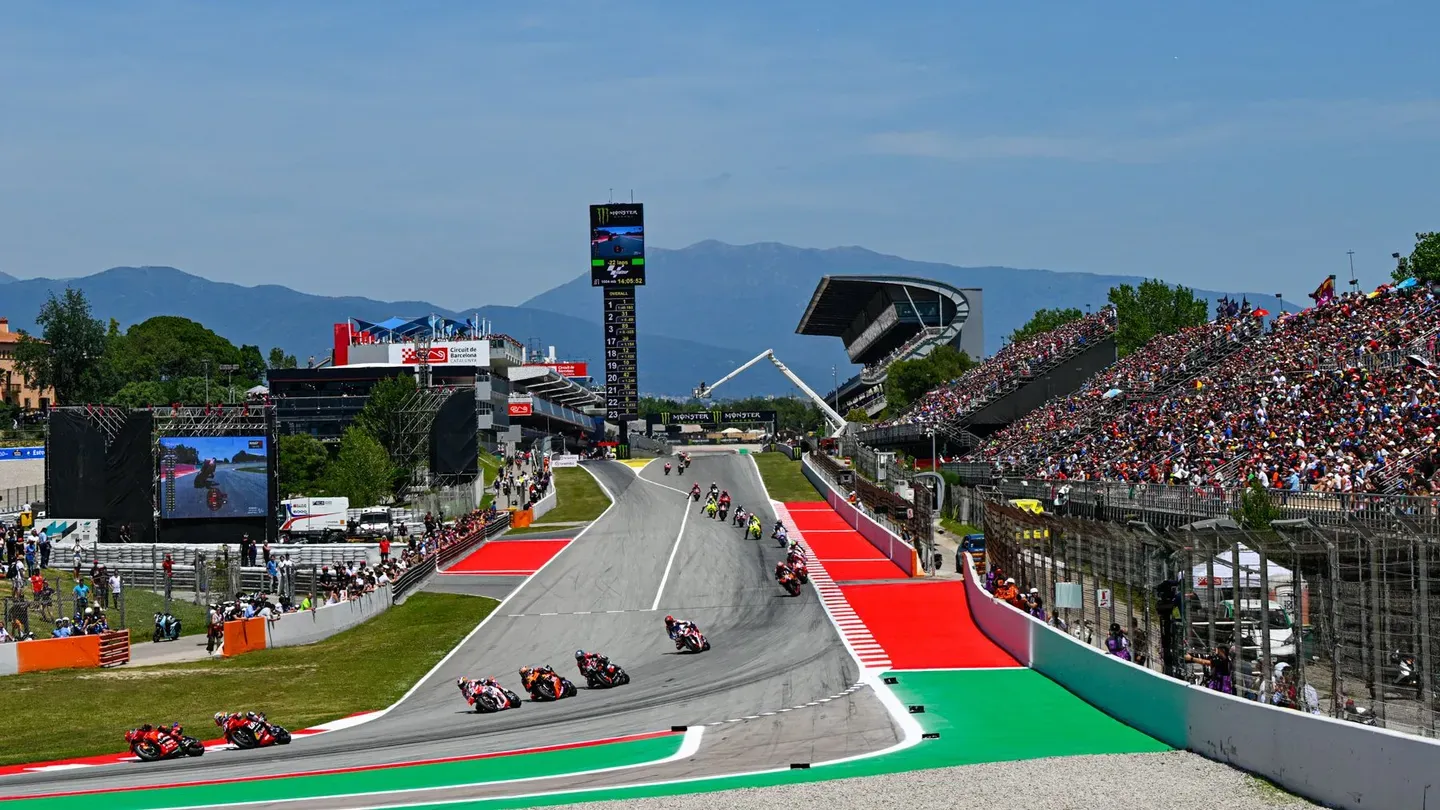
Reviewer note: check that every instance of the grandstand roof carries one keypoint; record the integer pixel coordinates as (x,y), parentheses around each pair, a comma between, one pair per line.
(838,299)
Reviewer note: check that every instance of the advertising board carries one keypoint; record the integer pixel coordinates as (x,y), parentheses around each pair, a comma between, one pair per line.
(520,405)
(617,245)
(565,369)
(21,453)
(564,460)
(457,353)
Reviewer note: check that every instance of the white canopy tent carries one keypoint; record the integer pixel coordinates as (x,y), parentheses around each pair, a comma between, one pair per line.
(1249,571)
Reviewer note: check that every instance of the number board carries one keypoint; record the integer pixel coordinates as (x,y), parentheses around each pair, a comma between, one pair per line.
(622,389)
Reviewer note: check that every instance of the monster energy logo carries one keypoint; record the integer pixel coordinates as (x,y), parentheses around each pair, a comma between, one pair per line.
(602,216)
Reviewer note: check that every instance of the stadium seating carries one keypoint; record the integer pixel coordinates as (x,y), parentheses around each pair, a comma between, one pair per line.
(1007,370)
(1339,398)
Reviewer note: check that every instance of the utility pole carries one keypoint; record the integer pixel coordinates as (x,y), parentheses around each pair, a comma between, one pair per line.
(206,363)
(1351,254)
(229,369)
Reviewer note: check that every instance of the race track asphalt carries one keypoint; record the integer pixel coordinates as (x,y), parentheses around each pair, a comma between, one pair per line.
(247,493)
(769,652)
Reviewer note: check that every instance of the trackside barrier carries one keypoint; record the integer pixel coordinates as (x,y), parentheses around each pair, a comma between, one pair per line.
(114,648)
(9,659)
(898,551)
(1341,764)
(416,574)
(521,518)
(243,636)
(77,652)
(310,626)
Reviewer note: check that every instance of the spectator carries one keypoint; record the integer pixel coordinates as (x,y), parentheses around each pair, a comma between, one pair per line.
(1117,644)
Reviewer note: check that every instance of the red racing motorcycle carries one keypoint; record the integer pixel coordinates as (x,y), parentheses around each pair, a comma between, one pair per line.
(152,744)
(245,731)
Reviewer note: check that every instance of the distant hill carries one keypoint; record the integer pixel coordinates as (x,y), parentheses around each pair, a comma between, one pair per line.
(707,309)
(272,315)
(751,297)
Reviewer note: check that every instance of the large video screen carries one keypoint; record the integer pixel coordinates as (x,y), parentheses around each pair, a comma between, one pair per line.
(617,244)
(214,477)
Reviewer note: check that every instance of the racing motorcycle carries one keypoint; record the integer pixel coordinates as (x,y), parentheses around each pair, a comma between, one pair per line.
(694,641)
(551,685)
(789,582)
(667,468)
(151,744)
(695,493)
(246,732)
(724,509)
(797,567)
(605,677)
(167,627)
(485,700)
(215,498)
(753,530)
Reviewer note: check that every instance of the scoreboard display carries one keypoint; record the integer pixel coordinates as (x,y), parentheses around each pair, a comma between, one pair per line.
(617,245)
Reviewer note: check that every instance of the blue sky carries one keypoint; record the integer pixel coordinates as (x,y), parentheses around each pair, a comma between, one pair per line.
(445,150)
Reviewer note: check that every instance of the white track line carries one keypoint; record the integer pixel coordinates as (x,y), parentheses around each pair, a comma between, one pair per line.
(671,562)
(689,746)
(496,611)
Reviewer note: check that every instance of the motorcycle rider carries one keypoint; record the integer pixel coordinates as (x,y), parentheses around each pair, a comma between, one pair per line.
(755,527)
(714,490)
(667,468)
(590,662)
(205,476)
(779,532)
(529,676)
(695,492)
(740,517)
(678,630)
(711,508)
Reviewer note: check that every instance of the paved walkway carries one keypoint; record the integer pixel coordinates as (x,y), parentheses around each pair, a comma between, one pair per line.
(187,648)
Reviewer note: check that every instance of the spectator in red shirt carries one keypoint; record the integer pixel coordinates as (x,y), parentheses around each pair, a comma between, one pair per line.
(384,549)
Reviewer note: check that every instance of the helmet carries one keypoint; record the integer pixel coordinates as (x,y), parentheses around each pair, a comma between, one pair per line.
(460,682)
(219,718)
(669,620)
(579,654)
(524,671)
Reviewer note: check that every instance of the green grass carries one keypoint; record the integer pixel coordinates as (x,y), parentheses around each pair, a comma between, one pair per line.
(579,498)
(73,713)
(784,480)
(955,527)
(140,607)
(253,468)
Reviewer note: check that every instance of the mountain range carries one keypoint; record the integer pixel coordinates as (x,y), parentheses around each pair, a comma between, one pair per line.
(705,310)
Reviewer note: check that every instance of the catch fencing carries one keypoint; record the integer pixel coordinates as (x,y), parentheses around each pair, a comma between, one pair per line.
(908,520)
(1348,611)
(13,499)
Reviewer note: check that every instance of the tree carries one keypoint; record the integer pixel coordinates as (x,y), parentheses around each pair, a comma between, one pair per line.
(303,462)
(385,420)
(361,470)
(1423,262)
(1045,320)
(1154,308)
(252,364)
(908,380)
(858,416)
(68,357)
(168,347)
(279,359)
(1256,510)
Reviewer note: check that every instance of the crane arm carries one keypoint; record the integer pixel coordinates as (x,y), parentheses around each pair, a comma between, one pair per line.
(836,421)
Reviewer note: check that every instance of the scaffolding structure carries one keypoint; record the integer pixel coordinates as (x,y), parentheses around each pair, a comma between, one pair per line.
(187,421)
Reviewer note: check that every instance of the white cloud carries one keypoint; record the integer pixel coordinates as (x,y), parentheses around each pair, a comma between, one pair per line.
(1180,130)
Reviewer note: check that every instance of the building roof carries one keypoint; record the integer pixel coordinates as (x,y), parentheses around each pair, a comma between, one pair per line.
(838,299)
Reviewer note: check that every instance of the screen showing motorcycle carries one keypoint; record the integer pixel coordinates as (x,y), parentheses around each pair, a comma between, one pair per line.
(213,477)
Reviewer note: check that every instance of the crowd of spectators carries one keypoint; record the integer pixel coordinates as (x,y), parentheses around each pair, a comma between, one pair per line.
(1008,367)
(1297,408)
(523,480)
(1153,368)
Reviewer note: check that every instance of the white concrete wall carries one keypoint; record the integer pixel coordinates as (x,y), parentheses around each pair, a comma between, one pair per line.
(9,660)
(310,626)
(1333,762)
(545,504)
(889,544)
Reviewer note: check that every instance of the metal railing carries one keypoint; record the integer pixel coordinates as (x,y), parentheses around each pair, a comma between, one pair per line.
(13,498)
(883,505)
(1174,506)
(1334,620)
(417,573)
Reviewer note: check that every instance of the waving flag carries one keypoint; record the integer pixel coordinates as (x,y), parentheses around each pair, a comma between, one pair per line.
(1325,293)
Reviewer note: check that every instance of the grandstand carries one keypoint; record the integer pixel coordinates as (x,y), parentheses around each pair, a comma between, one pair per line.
(1339,398)
(885,319)
(957,416)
